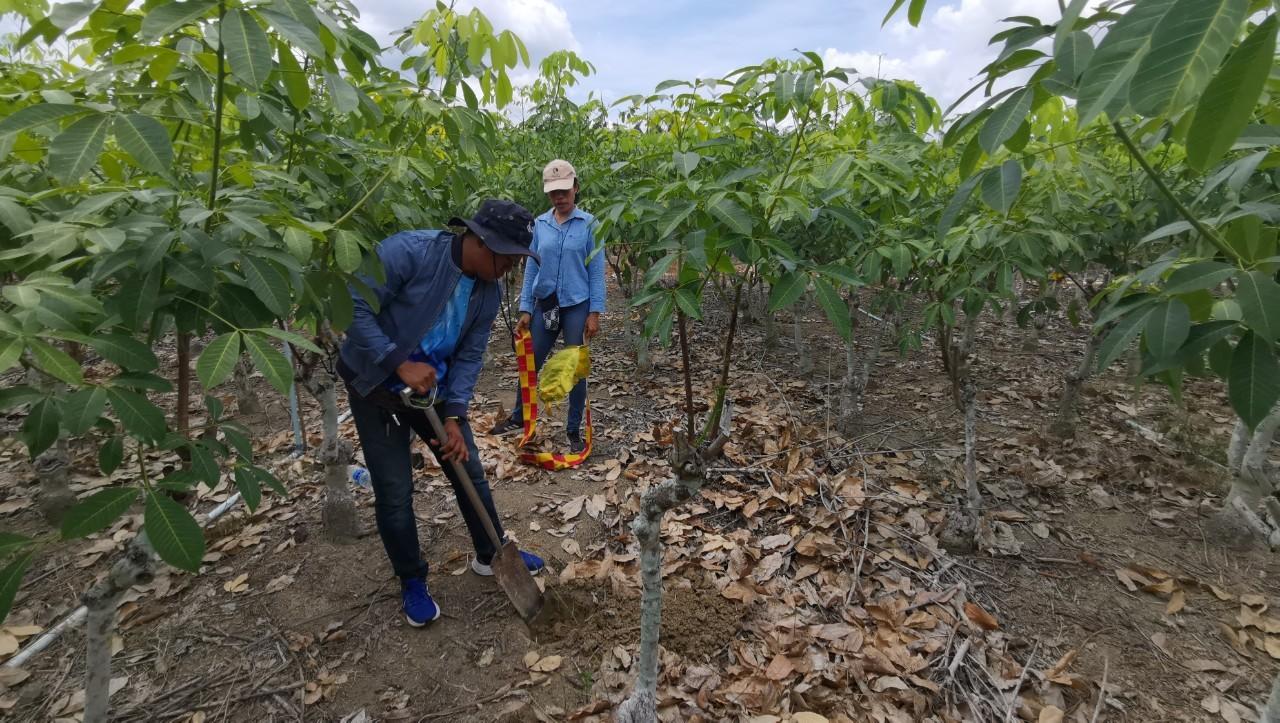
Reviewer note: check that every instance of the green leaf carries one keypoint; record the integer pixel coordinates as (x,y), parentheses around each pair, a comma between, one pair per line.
(169,17)
(1125,331)
(685,162)
(1254,385)
(11,543)
(10,352)
(266,478)
(956,205)
(687,300)
(139,416)
(271,362)
(299,90)
(1227,105)
(1105,84)
(341,93)
(136,302)
(34,116)
(790,287)
(111,455)
(346,251)
(173,532)
(1005,120)
(40,428)
(125,352)
(249,488)
(266,281)
(218,360)
(204,464)
(1200,275)
(835,307)
(248,50)
(146,141)
(18,395)
(75,150)
(1167,328)
(97,511)
(290,337)
(55,362)
(1186,47)
(914,12)
(297,33)
(82,409)
(1259,297)
(10,580)
(732,215)
(1000,186)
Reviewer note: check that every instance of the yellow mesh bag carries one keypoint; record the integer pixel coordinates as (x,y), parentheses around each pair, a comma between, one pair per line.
(560,372)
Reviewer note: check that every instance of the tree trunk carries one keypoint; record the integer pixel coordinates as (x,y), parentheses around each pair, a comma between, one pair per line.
(340,521)
(247,404)
(132,569)
(1272,712)
(52,466)
(181,413)
(858,375)
(804,361)
(1064,425)
(1031,342)
(963,525)
(1238,523)
(641,705)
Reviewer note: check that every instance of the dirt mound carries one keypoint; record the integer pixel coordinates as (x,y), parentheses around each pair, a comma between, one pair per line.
(697,622)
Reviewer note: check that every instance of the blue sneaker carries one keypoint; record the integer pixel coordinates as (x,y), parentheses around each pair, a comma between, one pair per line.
(419,608)
(531,561)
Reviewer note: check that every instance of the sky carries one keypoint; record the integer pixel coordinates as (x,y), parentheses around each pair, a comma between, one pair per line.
(635,46)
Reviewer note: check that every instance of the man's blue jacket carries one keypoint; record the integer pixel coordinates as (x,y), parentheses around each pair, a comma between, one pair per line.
(420,277)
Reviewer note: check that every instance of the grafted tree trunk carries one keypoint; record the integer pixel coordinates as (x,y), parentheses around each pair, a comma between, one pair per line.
(335,453)
(134,568)
(52,466)
(963,524)
(804,361)
(247,404)
(690,475)
(1253,484)
(1272,712)
(857,375)
(1064,425)
(181,414)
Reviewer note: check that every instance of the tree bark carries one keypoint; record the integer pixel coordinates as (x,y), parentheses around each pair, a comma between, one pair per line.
(641,705)
(963,525)
(1238,523)
(134,568)
(1064,425)
(181,415)
(804,362)
(52,466)
(247,404)
(858,375)
(341,523)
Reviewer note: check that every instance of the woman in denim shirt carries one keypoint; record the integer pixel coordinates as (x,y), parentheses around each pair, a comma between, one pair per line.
(565,293)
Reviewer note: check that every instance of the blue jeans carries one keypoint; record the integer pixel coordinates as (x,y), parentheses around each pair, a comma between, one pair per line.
(573,322)
(385,439)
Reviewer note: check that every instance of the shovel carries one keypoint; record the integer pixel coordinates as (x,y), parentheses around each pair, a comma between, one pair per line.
(513,577)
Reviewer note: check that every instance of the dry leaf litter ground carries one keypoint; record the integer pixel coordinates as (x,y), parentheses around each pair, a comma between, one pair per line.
(804,584)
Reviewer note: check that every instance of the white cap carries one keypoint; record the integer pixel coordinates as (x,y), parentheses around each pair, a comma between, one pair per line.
(558,176)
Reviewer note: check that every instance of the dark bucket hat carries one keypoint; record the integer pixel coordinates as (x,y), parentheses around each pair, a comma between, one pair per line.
(505,227)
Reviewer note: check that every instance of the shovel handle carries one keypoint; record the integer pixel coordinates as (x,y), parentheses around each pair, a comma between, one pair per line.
(465,479)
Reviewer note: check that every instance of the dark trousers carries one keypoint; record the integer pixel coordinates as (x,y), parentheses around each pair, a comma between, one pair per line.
(573,322)
(385,439)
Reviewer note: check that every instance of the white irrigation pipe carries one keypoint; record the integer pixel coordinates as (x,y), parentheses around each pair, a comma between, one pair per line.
(77,616)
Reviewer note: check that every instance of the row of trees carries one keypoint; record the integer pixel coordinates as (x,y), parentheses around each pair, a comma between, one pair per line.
(212,175)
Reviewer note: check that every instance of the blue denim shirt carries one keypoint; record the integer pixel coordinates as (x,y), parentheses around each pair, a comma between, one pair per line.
(564,271)
(420,278)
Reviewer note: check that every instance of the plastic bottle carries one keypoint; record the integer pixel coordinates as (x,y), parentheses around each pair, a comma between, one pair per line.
(359,475)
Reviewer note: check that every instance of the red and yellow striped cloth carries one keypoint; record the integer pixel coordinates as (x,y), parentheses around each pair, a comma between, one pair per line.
(527,365)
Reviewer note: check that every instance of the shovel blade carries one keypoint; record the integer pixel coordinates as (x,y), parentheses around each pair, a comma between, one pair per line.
(516,581)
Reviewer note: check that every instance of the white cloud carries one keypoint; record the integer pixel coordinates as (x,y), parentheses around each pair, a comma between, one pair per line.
(947,52)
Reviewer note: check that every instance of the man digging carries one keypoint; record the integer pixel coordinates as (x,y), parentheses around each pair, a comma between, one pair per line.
(435,312)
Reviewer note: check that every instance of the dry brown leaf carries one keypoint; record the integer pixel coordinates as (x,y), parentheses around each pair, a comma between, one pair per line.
(1219,593)
(547,664)
(809,718)
(8,643)
(1051,714)
(1177,601)
(779,668)
(10,677)
(1255,600)
(889,682)
(571,546)
(240,584)
(1273,646)
(572,508)
(22,632)
(1063,663)
(980,617)
(1201,665)
(280,583)
(531,658)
